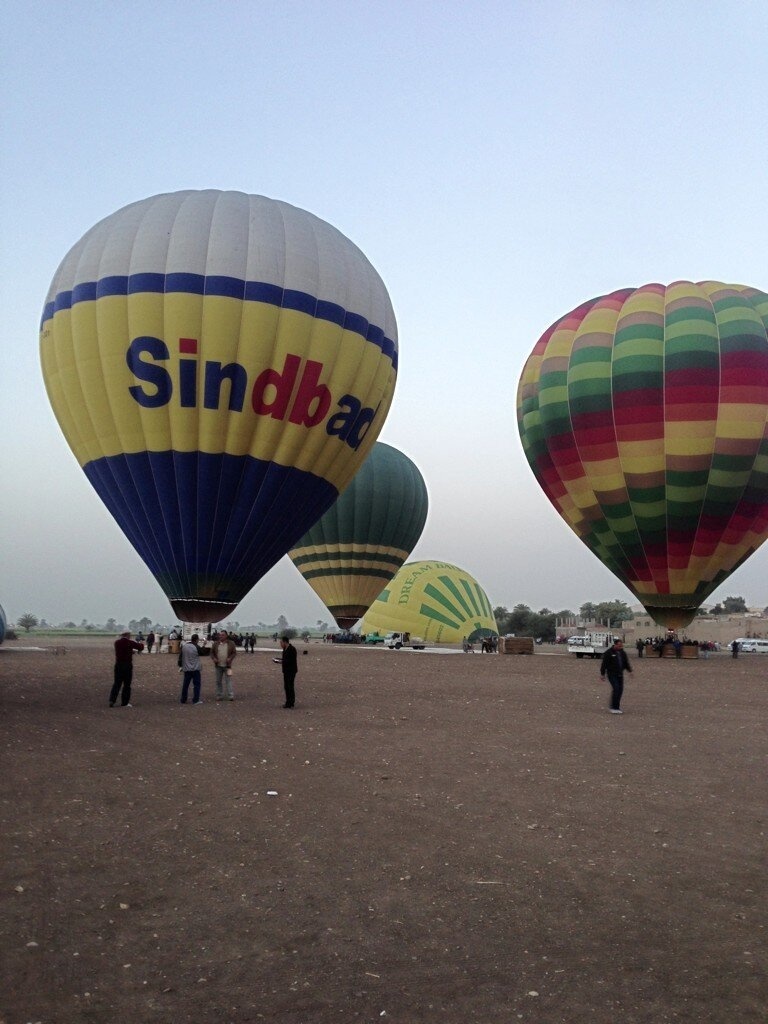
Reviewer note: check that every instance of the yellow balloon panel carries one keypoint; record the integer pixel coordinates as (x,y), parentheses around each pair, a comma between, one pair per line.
(434,600)
(206,387)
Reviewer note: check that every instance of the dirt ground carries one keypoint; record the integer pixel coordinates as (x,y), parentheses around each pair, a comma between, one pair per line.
(453,838)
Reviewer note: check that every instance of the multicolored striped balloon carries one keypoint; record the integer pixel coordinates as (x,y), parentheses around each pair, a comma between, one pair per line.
(433,600)
(352,551)
(221,365)
(644,417)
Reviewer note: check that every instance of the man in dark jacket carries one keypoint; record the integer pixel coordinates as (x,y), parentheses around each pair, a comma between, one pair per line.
(124,650)
(290,667)
(614,664)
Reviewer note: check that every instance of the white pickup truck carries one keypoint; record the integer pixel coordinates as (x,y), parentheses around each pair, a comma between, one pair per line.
(589,645)
(394,641)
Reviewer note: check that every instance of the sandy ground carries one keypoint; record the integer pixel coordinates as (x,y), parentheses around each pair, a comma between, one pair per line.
(453,839)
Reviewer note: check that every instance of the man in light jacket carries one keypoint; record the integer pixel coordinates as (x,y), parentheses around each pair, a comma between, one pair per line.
(223,652)
(189,662)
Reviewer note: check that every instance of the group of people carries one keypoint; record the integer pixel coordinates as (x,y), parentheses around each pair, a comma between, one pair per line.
(657,644)
(223,651)
(153,640)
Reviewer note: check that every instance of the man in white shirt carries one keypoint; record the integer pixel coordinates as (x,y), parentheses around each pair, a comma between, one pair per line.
(189,660)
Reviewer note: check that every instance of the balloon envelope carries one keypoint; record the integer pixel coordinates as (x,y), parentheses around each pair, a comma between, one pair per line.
(365,536)
(433,600)
(644,417)
(221,365)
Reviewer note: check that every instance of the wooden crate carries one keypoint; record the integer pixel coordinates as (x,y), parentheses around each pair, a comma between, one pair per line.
(516,645)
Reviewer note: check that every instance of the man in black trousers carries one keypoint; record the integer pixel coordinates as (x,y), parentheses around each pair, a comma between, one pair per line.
(124,650)
(614,664)
(290,667)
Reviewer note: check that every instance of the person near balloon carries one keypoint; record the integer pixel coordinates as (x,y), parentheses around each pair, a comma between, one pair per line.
(124,651)
(640,645)
(735,649)
(290,666)
(223,652)
(190,665)
(614,664)
(150,642)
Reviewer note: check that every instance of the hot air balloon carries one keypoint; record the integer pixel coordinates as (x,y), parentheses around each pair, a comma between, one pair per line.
(353,550)
(644,417)
(3,624)
(221,365)
(434,600)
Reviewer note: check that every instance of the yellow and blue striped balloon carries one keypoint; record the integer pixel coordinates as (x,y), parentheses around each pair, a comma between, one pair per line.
(221,365)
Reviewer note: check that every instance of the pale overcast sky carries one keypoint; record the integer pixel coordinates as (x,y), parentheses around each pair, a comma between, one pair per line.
(498,163)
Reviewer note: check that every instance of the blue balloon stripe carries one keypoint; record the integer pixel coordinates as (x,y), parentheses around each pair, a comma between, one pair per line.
(227,287)
(169,505)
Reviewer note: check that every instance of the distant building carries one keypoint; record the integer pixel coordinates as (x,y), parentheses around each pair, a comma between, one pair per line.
(720,629)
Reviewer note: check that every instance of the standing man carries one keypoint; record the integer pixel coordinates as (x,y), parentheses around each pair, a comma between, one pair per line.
(189,660)
(223,652)
(614,664)
(124,649)
(290,668)
(735,649)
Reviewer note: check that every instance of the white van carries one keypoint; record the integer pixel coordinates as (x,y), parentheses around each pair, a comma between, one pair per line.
(749,645)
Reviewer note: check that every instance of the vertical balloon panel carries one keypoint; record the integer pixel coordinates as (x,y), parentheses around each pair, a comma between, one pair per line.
(221,365)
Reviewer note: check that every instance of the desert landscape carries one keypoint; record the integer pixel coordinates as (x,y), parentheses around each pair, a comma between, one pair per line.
(425,837)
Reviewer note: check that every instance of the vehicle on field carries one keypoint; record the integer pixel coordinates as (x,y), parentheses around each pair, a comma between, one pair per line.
(394,641)
(590,645)
(750,645)
(374,638)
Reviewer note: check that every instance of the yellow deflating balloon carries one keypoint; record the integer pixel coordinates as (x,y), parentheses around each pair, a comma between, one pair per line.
(433,600)
(221,365)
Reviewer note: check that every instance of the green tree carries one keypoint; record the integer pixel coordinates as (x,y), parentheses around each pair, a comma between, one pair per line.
(613,613)
(520,619)
(282,624)
(502,615)
(140,625)
(27,621)
(735,605)
(588,611)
